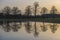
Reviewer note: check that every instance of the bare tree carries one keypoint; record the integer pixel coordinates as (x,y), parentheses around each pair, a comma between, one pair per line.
(28,11)
(6,10)
(44,10)
(35,7)
(15,10)
(53,10)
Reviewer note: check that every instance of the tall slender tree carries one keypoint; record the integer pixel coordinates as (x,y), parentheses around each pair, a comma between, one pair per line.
(35,7)
(35,11)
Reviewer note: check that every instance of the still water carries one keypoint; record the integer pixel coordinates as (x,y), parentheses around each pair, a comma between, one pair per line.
(30,31)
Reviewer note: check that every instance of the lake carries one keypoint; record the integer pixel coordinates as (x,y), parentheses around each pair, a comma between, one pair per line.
(30,31)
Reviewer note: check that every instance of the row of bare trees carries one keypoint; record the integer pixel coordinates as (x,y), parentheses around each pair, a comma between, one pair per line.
(7,10)
(29,10)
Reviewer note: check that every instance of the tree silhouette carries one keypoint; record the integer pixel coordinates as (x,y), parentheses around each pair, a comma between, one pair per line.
(53,10)
(44,10)
(35,7)
(6,10)
(16,11)
(28,11)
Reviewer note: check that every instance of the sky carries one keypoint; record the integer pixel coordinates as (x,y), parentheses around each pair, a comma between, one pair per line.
(21,4)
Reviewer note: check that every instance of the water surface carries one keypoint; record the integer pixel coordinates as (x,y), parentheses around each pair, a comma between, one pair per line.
(30,31)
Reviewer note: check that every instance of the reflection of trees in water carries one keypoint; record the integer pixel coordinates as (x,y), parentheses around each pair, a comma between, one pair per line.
(28,27)
(43,27)
(35,30)
(15,26)
(53,28)
(6,26)
(11,26)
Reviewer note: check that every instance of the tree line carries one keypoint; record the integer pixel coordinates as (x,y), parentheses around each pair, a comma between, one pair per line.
(29,10)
